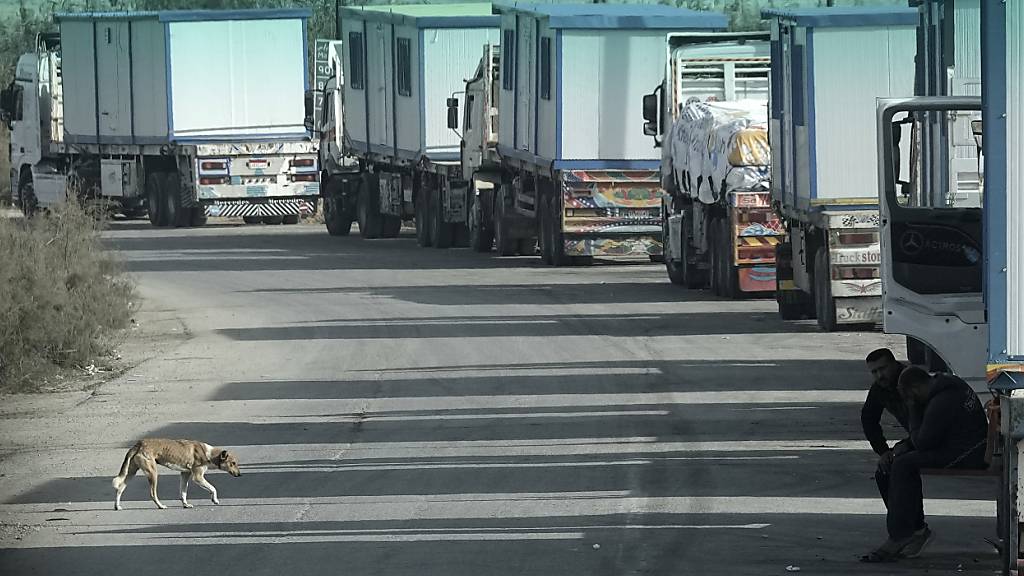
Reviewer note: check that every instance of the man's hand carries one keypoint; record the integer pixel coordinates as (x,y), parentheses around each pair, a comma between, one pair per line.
(885,461)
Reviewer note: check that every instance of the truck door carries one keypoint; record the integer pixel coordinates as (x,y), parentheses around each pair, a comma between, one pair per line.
(932,252)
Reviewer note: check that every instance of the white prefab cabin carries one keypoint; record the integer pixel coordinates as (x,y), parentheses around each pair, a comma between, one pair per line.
(401,64)
(573,77)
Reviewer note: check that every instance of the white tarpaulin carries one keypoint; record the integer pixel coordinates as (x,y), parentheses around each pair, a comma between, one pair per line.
(716,143)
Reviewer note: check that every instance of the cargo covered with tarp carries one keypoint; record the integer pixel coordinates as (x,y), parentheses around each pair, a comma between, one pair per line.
(720,147)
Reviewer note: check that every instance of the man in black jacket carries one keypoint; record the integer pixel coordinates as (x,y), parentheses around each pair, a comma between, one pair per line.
(884,396)
(947,430)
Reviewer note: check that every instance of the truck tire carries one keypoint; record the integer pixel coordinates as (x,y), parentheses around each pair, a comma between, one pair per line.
(370,220)
(27,195)
(481,235)
(198,217)
(291,219)
(252,219)
(544,223)
(791,302)
(391,227)
(460,235)
(155,199)
(558,256)
(723,264)
(824,304)
(695,278)
(273,220)
(422,209)
(440,231)
(177,215)
(527,246)
(504,244)
(676,270)
(336,219)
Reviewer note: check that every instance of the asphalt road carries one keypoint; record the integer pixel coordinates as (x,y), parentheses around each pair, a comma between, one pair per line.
(407,411)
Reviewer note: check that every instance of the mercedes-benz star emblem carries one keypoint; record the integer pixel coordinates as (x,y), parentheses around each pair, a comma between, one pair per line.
(912,242)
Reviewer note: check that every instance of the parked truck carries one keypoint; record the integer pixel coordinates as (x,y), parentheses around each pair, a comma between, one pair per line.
(709,116)
(550,151)
(387,153)
(828,67)
(932,235)
(186,114)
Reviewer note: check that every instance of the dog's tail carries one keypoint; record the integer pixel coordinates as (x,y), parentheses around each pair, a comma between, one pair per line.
(122,476)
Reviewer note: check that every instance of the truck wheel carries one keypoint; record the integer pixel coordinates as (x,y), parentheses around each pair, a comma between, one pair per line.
(824,304)
(391,227)
(481,236)
(370,220)
(177,215)
(291,219)
(558,256)
(676,269)
(791,304)
(252,219)
(422,209)
(273,220)
(528,246)
(27,197)
(504,244)
(723,271)
(155,199)
(440,231)
(545,230)
(460,235)
(338,222)
(198,216)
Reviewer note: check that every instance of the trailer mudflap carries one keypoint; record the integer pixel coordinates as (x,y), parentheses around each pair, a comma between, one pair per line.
(256,207)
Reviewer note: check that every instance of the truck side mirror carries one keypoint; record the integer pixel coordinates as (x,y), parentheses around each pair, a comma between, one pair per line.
(453,113)
(652,114)
(309,122)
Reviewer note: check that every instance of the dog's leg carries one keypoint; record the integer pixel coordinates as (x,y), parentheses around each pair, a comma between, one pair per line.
(149,468)
(183,486)
(122,484)
(197,477)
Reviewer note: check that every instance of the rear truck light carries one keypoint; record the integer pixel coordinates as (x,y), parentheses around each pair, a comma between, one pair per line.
(302,177)
(258,164)
(303,163)
(856,238)
(855,273)
(213,167)
(212,180)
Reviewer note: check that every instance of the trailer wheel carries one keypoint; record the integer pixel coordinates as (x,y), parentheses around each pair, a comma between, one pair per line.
(391,227)
(273,220)
(481,236)
(177,215)
(558,256)
(370,221)
(676,269)
(291,219)
(723,262)
(504,244)
(824,304)
(155,199)
(198,216)
(27,195)
(337,221)
(527,247)
(252,219)
(440,231)
(791,302)
(422,209)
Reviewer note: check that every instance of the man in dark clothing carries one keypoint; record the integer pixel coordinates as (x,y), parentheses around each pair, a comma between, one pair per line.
(884,396)
(947,430)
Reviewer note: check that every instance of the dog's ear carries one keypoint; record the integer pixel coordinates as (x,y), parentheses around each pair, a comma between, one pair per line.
(223,455)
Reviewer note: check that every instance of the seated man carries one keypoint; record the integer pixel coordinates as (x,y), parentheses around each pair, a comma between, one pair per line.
(883,397)
(947,430)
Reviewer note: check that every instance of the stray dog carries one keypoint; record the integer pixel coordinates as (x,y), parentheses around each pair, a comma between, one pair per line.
(189,457)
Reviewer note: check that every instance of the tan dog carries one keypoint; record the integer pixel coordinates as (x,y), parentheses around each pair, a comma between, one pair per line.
(189,457)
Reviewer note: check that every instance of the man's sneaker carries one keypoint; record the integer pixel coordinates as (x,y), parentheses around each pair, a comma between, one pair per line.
(918,542)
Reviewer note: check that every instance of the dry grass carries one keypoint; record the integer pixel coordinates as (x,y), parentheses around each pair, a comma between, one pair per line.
(62,297)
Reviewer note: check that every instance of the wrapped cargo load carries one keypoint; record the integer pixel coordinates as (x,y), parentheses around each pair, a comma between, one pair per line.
(721,147)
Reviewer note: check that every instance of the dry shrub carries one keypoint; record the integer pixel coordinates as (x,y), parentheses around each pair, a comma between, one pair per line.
(61,295)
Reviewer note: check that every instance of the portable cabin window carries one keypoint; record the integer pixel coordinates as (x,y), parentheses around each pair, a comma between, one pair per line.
(545,68)
(508,60)
(355,60)
(404,66)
